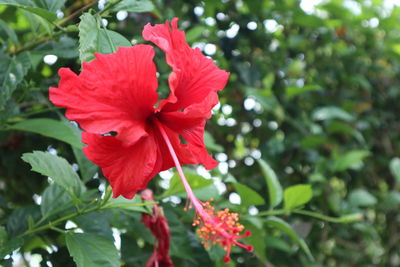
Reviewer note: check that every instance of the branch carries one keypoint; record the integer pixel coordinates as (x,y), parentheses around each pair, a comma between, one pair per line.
(45,37)
(350,218)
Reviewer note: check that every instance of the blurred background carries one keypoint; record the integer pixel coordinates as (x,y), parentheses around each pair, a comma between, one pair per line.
(312,96)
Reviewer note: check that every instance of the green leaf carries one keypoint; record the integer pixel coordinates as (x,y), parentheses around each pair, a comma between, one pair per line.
(330,113)
(53,5)
(91,250)
(3,236)
(38,21)
(180,238)
(296,196)
(88,37)
(58,169)
(292,91)
(248,196)
(49,16)
(278,243)
(10,246)
(390,201)
(117,39)
(35,242)
(287,229)
(257,237)
(361,198)
(54,200)
(87,169)
(204,193)
(96,222)
(203,188)
(351,159)
(18,221)
(394,167)
(12,72)
(194,33)
(216,253)
(50,128)
(93,39)
(135,204)
(314,141)
(134,6)
(211,144)
(309,21)
(6,31)
(32,7)
(274,187)
(340,127)
(65,47)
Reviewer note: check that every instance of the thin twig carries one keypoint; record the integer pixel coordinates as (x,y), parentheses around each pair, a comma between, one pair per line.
(77,12)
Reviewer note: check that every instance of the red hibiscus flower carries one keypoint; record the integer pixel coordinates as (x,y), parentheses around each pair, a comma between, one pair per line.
(158,225)
(117,93)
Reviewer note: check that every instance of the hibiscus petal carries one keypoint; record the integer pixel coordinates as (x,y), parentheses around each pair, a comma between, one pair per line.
(127,167)
(185,155)
(113,93)
(194,76)
(190,125)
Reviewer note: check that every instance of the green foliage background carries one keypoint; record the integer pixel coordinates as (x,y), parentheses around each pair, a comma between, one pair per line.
(307,134)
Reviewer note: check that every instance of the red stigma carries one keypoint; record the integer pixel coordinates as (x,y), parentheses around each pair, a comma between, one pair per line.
(227,259)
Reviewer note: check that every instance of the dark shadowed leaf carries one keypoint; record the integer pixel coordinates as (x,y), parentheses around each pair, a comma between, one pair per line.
(395,169)
(18,221)
(12,71)
(278,243)
(287,229)
(50,128)
(95,222)
(65,47)
(257,238)
(10,246)
(7,33)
